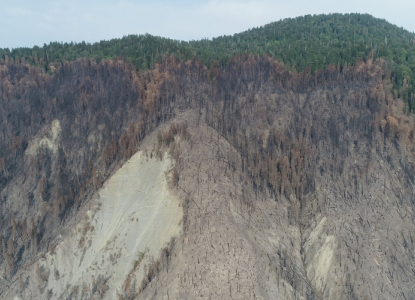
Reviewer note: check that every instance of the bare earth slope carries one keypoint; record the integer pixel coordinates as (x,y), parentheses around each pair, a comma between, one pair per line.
(133,217)
(226,247)
(236,248)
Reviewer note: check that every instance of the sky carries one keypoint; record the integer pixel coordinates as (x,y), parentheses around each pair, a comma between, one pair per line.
(25,23)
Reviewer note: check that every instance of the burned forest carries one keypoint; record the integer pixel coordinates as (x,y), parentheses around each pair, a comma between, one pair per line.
(280,183)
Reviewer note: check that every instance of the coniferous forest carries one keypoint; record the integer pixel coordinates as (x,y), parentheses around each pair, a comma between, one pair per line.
(311,42)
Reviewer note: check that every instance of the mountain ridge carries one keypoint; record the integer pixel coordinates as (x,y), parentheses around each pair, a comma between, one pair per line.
(312,42)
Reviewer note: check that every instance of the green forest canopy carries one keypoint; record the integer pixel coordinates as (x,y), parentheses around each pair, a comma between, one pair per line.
(311,42)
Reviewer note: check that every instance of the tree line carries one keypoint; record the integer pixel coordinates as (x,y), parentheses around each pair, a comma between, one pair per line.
(308,42)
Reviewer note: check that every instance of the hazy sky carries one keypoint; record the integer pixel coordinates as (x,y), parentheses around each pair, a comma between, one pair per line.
(29,22)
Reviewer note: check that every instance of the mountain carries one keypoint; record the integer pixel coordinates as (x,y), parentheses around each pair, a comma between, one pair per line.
(312,42)
(211,169)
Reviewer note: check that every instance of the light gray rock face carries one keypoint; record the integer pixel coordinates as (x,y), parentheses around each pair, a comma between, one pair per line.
(133,218)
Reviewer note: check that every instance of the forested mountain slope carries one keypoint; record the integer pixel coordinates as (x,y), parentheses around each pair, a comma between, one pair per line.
(311,42)
(293,185)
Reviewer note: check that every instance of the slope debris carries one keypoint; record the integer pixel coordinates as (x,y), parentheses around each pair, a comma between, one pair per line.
(132,219)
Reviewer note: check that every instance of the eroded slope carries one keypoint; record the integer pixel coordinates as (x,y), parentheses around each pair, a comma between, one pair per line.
(133,218)
(294,185)
(294,189)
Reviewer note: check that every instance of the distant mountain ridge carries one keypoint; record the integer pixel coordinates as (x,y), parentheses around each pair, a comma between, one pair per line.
(311,42)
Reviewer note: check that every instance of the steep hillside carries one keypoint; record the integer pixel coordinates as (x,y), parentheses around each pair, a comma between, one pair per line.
(273,183)
(292,185)
(61,138)
(303,191)
(133,217)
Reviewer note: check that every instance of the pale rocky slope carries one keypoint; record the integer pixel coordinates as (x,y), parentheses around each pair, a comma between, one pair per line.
(132,218)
